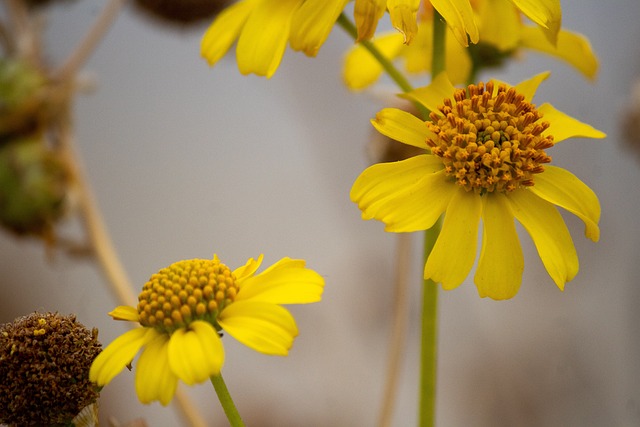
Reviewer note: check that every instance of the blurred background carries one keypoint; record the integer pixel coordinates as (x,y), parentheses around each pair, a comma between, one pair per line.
(187,160)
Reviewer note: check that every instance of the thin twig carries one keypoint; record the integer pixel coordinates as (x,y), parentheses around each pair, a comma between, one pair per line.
(399,329)
(86,46)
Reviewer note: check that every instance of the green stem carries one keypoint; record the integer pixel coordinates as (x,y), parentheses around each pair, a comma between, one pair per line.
(439,34)
(429,340)
(388,66)
(226,401)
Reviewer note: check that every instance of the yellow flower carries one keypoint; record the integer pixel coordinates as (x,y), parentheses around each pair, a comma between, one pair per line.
(403,13)
(184,307)
(263,28)
(502,34)
(484,159)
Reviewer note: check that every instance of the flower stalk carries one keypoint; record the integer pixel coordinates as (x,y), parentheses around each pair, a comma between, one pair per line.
(226,401)
(429,323)
(391,70)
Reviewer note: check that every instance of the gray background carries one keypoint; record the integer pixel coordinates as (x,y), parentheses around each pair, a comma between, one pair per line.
(187,161)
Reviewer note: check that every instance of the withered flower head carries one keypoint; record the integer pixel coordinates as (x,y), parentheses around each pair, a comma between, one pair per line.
(181,12)
(44,366)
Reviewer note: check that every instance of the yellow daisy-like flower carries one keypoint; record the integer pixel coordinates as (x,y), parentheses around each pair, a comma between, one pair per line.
(458,13)
(484,159)
(502,35)
(264,27)
(183,308)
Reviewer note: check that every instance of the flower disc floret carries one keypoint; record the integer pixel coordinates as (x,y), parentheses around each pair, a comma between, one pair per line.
(490,141)
(184,292)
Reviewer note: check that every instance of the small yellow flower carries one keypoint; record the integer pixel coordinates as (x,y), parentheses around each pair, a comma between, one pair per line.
(484,159)
(502,35)
(184,307)
(264,27)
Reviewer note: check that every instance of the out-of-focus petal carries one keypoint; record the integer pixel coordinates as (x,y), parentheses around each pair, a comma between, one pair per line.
(546,13)
(403,127)
(312,22)
(112,360)
(418,55)
(224,30)
(455,250)
(574,48)
(264,37)
(264,327)
(361,69)
(562,188)
(459,17)
(288,283)
(506,34)
(564,126)
(196,352)
(499,272)
(546,227)
(403,15)
(154,379)
(366,14)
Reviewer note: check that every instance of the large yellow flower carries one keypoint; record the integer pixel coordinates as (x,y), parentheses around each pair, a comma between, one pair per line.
(484,159)
(184,307)
(264,27)
(502,34)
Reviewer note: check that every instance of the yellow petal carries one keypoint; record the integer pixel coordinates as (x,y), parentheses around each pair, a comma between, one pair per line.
(366,14)
(499,272)
(574,48)
(545,13)
(225,30)
(124,312)
(529,87)
(195,353)
(562,188)
(433,95)
(154,378)
(361,69)
(455,250)
(112,360)
(549,233)
(406,196)
(403,127)
(287,282)
(403,15)
(312,23)
(247,270)
(506,35)
(564,126)
(459,17)
(264,37)
(264,327)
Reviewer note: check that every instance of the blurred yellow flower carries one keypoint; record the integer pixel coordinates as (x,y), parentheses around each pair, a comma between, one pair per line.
(184,307)
(484,159)
(502,35)
(403,13)
(264,27)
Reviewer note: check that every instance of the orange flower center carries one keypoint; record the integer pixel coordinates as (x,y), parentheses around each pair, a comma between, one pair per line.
(185,291)
(490,142)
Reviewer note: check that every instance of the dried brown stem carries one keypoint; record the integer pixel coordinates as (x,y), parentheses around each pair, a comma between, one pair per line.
(87,45)
(399,329)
